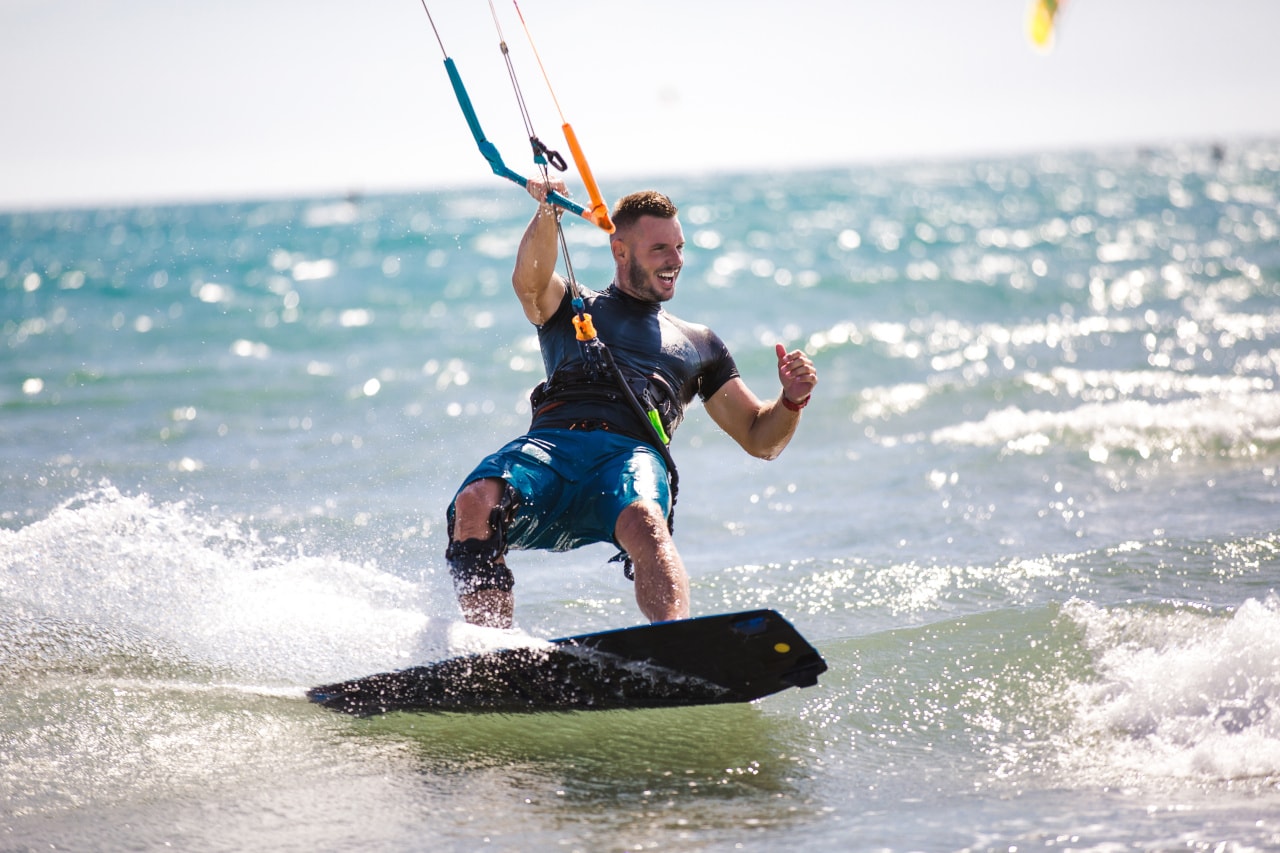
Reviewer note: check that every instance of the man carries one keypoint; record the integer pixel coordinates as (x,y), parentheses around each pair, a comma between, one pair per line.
(593,466)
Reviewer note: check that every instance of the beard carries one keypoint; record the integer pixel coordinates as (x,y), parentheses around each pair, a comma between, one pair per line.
(640,285)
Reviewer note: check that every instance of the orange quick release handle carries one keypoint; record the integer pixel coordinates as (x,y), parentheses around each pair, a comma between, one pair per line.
(586,329)
(599,212)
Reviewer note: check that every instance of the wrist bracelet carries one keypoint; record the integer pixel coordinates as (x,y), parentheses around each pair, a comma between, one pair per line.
(795,407)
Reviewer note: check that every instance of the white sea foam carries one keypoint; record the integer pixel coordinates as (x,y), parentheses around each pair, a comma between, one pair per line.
(1232,423)
(1179,694)
(215,595)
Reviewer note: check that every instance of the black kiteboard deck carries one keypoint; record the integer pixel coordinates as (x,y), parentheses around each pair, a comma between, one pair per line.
(733,657)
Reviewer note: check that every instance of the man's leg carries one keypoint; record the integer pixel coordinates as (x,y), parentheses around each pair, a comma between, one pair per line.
(662,585)
(473,543)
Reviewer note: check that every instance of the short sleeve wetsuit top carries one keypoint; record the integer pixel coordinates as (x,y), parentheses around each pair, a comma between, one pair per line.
(664,360)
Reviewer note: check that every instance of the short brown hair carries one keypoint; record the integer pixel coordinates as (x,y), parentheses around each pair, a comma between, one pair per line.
(644,203)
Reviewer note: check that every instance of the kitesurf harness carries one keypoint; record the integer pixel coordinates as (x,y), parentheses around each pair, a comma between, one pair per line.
(598,361)
(576,384)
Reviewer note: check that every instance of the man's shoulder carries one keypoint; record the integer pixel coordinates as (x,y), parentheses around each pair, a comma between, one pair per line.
(693,331)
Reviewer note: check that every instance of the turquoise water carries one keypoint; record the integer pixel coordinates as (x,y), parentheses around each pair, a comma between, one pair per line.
(1030,518)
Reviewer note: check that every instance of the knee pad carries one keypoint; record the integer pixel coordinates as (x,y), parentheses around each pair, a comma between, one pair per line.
(479,564)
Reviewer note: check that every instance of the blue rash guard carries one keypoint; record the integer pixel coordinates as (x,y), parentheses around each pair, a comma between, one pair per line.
(665,361)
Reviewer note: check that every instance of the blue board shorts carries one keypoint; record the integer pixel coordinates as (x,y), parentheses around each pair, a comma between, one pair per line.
(573,484)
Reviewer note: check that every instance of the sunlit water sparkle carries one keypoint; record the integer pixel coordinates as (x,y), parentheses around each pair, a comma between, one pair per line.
(1030,518)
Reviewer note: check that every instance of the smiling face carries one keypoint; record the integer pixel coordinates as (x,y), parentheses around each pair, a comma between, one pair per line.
(649,254)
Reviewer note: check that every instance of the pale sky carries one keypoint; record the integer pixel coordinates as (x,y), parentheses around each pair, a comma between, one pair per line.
(122,101)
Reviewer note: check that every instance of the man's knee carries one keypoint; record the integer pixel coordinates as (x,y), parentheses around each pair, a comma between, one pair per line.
(471,516)
(644,519)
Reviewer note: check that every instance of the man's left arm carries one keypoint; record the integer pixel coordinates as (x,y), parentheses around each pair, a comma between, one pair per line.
(764,428)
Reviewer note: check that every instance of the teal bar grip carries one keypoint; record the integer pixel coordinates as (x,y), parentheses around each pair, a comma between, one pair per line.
(490,151)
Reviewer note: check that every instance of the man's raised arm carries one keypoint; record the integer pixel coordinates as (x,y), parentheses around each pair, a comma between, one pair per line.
(535,280)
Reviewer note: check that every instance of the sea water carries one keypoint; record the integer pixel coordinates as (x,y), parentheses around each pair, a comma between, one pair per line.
(1030,517)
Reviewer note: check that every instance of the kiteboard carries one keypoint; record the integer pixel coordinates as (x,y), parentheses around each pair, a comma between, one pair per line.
(733,657)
